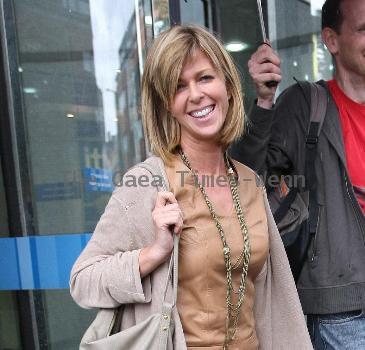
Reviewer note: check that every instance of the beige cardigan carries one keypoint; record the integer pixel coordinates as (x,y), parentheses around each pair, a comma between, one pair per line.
(107,272)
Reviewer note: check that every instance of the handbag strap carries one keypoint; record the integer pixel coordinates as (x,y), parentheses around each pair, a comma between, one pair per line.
(174,259)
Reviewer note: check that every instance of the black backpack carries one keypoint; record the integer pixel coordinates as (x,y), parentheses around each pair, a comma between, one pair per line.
(296,210)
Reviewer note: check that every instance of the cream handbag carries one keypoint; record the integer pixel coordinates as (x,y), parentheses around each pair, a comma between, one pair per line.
(152,333)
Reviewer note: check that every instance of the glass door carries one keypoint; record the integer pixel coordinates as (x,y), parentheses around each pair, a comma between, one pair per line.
(73,70)
(9,320)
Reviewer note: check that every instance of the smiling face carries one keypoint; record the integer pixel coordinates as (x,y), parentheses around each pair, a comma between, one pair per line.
(348,46)
(201,101)
(184,93)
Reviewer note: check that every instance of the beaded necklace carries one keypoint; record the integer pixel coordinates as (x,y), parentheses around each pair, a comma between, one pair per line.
(233,310)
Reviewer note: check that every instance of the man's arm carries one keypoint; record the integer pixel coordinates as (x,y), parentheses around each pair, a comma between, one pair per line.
(252,148)
(269,134)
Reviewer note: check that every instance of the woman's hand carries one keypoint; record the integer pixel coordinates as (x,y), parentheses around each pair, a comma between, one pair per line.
(167,218)
(264,66)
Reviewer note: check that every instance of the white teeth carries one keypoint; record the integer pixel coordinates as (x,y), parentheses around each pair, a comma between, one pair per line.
(202,113)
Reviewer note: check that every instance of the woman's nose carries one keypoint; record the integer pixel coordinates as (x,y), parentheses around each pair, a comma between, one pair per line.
(195,93)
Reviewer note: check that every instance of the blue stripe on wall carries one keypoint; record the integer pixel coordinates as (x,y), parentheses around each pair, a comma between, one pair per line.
(39,262)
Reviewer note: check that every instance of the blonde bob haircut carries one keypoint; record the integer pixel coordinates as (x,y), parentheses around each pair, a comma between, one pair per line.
(164,63)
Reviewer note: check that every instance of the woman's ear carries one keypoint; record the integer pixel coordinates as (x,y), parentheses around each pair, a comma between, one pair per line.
(168,110)
(229,94)
(169,113)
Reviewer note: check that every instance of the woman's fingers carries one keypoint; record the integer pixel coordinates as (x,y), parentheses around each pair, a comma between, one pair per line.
(163,198)
(167,213)
(179,225)
(168,219)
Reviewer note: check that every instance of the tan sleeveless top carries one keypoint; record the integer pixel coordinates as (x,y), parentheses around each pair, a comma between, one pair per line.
(202,287)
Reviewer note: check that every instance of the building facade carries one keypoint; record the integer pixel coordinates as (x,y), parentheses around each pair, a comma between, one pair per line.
(70,124)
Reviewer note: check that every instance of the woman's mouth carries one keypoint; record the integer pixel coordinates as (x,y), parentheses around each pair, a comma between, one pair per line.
(203,112)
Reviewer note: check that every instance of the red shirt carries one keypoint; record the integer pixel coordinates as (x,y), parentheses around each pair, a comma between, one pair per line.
(352,116)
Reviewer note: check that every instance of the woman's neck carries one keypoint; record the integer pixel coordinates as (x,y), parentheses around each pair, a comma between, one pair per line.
(205,159)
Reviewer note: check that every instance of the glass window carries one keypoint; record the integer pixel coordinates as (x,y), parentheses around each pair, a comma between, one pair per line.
(9,331)
(237,23)
(161,16)
(78,65)
(79,68)
(4,229)
(195,12)
(146,24)
(9,322)
(297,38)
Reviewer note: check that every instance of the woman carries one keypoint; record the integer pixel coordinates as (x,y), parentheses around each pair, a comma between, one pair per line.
(235,287)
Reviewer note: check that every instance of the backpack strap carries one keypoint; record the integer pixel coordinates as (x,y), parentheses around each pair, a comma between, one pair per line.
(284,207)
(319,101)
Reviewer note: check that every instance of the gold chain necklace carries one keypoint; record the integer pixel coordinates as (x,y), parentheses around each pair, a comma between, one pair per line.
(233,310)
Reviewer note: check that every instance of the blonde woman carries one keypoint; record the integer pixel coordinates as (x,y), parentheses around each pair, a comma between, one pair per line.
(235,286)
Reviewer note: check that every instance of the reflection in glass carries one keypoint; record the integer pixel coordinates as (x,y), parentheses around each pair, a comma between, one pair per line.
(161,16)
(67,323)
(297,38)
(195,11)
(299,43)
(238,26)
(80,83)
(9,322)
(78,63)
(146,26)
(9,331)
(4,229)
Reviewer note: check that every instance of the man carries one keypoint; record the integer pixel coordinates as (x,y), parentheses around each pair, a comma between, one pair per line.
(332,283)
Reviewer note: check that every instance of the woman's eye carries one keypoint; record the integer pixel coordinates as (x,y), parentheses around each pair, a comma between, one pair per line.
(179,87)
(207,77)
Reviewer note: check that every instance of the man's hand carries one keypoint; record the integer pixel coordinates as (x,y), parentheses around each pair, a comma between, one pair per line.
(264,66)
